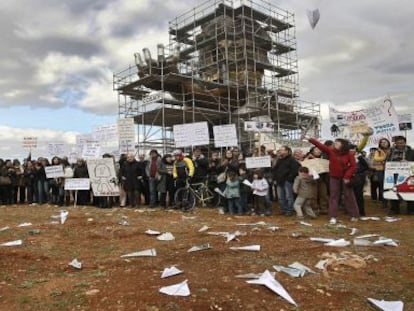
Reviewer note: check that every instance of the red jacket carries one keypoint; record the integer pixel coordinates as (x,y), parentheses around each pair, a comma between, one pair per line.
(341,165)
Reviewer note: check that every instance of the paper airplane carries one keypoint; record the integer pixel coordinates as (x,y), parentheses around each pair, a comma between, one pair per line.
(76,264)
(199,248)
(12,243)
(124,221)
(338,243)
(270,282)
(321,264)
(252,276)
(305,224)
(63,216)
(323,240)
(391,219)
(203,228)
(353,231)
(219,191)
(386,241)
(313,17)
(145,253)
(170,272)
(152,232)
(4,229)
(259,223)
(273,228)
(180,289)
(295,269)
(248,183)
(167,236)
(387,305)
(233,236)
(25,224)
(369,218)
(251,248)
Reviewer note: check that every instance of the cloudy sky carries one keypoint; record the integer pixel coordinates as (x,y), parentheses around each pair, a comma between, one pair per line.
(57,58)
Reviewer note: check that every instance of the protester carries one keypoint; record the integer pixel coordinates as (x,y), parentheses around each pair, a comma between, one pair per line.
(284,173)
(232,193)
(342,167)
(166,182)
(131,173)
(151,171)
(260,188)
(381,155)
(360,176)
(81,171)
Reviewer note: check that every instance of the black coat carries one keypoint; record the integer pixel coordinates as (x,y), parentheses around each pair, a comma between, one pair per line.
(285,169)
(130,172)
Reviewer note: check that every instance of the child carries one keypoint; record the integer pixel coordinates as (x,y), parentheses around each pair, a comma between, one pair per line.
(260,188)
(232,193)
(304,187)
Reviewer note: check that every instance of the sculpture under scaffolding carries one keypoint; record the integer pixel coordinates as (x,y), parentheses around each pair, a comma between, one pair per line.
(226,62)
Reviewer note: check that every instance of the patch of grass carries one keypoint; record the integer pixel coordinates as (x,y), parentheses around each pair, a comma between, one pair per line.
(25,299)
(99,274)
(30,283)
(82,284)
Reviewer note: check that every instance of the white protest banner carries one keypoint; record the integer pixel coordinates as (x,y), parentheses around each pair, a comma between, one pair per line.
(191,134)
(91,150)
(258,162)
(56,149)
(81,141)
(225,135)
(103,177)
(399,180)
(380,119)
(30,142)
(259,126)
(106,133)
(318,165)
(77,184)
(54,171)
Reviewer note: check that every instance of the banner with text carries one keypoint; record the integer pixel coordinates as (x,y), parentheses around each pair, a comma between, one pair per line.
(191,134)
(399,181)
(225,135)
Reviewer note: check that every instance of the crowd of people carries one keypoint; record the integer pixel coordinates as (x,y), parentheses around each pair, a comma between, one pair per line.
(153,179)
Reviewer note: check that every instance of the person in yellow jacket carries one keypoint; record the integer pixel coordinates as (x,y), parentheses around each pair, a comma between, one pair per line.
(183,169)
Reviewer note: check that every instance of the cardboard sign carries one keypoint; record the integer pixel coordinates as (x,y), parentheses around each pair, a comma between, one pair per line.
(77,184)
(54,171)
(258,162)
(102,176)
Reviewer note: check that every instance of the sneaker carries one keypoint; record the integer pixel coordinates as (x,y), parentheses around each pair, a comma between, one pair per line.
(354,219)
(332,221)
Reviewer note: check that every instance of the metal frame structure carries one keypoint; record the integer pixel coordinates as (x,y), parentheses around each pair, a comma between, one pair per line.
(227,61)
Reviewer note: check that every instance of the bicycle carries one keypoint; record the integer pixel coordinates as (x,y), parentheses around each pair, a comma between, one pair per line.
(187,196)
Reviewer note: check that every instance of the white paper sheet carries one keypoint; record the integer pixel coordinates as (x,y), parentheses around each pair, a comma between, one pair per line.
(166,236)
(152,232)
(75,263)
(12,243)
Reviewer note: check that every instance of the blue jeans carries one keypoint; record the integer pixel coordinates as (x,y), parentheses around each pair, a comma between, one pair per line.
(43,191)
(285,195)
(234,206)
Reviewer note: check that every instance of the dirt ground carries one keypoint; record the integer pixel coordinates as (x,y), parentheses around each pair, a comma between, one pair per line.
(36,275)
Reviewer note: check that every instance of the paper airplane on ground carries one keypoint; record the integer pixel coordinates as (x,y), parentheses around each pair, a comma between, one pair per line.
(339,243)
(270,282)
(4,229)
(152,232)
(387,305)
(391,219)
(203,228)
(63,216)
(199,248)
(25,224)
(76,264)
(252,276)
(251,248)
(12,243)
(323,240)
(305,224)
(370,218)
(180,289)
(353,231)
(171,271)
(145,253)
(167,236)
(124,221)
(259,223)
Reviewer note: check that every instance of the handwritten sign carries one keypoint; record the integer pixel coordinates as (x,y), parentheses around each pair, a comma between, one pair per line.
(77,184)
(91,150)
(103,177)
(399,180)
(318,165)
(225,135)
(56,149)
(191,134)
(54,171)
(29,142)
(105,133)
(258,162)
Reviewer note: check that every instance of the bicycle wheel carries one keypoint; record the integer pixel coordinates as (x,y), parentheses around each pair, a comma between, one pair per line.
(185,199)
(210,198)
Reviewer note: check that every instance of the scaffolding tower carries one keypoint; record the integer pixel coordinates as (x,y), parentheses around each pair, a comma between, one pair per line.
(226,62)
